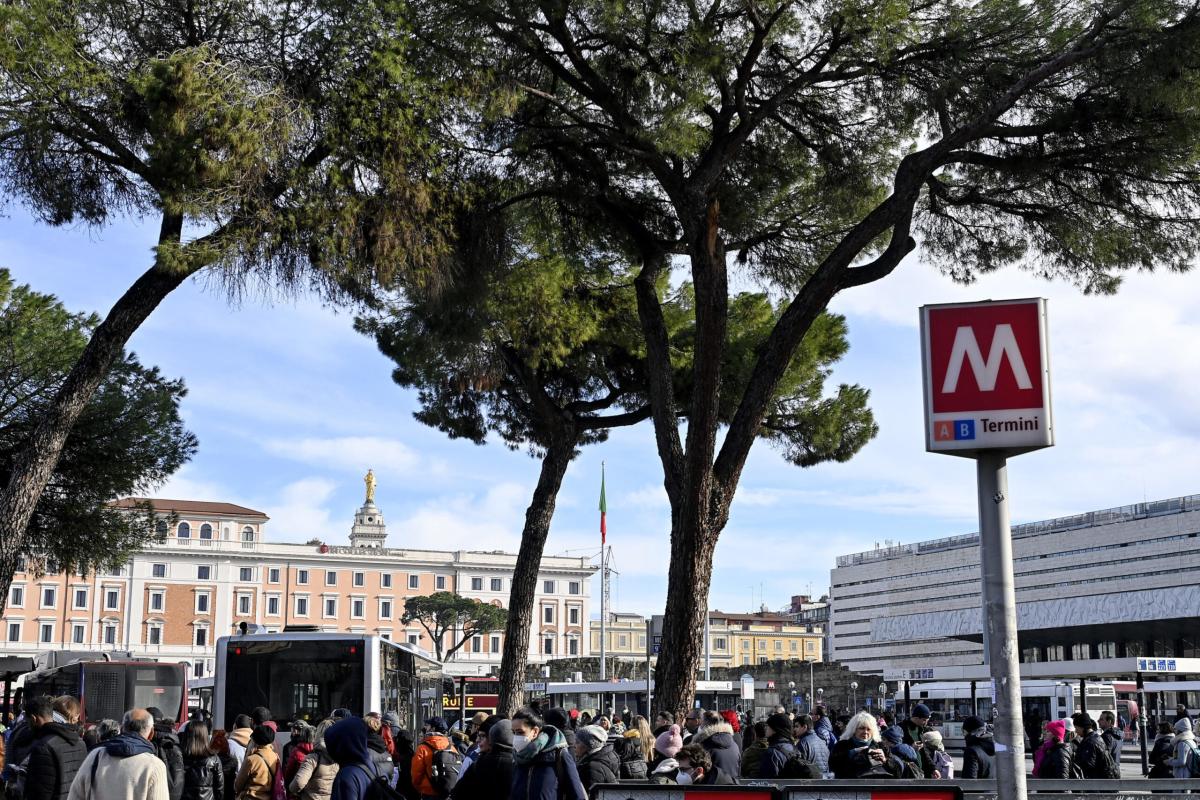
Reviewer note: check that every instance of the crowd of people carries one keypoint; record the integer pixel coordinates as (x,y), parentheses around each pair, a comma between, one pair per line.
(534,755)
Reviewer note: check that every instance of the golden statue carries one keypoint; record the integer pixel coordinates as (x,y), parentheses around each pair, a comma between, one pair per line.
(369,480)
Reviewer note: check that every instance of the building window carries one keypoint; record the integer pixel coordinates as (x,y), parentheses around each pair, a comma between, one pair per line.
(1106,650)
(153,635)
(414,639)
(116,572)
(642,641)
(243,604)
(440,582)
(795,645)
(330,577)
(77,633)
(160,528)
(495,644)
(762,644)
(547,613)
(385,609)
(206,531)
(273,575)
(810,645)
(47,633)
(330,606)
(185,530)
(80,602)
(497,584)
(204,572)
(573,646)
(156,601)
(301,606)
(14,631)
(762,659)
(198,669)
(158,570)
(357,608)
(778,646)
(247,534)
(476,644)
(49,595)
(110,633)
(272,605)
(414,581)
(623,641)
(16,596)
(202,602)
(548,645)
(360,579)
(573,587)
(476,584)
(572,616)
(1054,652)
(112,599)
(547,587)
(201,637)
(302,577)
(246,574)
(385,580)
(719,643)
(1081,652)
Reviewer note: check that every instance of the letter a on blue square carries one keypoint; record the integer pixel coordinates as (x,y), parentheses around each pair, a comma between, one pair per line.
(964,429)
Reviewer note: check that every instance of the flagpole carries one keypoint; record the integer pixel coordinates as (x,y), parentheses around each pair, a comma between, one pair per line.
(603,581)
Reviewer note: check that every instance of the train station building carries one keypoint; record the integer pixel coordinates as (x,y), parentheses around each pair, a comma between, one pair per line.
(217,567)
(1119,583)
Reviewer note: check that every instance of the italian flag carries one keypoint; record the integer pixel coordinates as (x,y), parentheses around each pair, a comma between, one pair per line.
(603,509)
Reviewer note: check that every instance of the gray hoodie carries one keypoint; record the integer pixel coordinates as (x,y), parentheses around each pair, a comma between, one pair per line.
(1184,742)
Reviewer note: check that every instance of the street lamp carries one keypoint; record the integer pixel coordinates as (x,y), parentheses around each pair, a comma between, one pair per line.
(810,682)
(854,696)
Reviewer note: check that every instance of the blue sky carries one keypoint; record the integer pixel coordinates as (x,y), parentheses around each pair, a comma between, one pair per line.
(291,407)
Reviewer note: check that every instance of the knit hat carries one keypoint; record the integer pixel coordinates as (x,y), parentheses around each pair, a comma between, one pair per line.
(391,718)
(1058,729)
(892,734)
(669,742)
(920,710)
(593,737)
(934,739)
(557,717)
(1183,724)
(500,734)
(973,725)
(262,735)
(573,713)
(780,723)
(437,724)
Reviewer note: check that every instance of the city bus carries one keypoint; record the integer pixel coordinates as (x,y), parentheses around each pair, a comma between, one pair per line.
(482,694)
(306,675)
(107,689)
(200,694)
(1041,700)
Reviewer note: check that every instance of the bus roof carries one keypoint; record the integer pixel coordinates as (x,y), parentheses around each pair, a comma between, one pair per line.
(325,636)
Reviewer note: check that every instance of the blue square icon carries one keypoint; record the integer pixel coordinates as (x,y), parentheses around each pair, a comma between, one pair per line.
(964,429)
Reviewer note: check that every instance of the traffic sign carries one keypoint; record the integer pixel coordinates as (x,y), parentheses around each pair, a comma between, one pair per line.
(987,377)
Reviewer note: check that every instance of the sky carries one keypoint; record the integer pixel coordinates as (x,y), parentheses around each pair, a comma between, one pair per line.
(291,407)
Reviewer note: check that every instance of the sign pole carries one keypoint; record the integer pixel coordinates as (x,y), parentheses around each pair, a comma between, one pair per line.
(1000,621)
(649,676)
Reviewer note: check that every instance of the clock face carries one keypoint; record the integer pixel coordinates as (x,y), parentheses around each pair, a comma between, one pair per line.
(370,519)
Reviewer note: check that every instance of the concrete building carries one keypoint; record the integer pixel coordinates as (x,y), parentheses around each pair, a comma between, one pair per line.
(1116,583)
(216,568)
(813,614)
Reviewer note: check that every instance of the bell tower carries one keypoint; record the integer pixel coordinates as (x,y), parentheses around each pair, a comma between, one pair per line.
(369,529)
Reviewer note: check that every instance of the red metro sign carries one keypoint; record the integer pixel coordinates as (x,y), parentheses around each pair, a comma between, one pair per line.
(987,376)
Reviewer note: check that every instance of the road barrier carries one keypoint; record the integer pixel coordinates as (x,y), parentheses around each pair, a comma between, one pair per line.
(1125,789)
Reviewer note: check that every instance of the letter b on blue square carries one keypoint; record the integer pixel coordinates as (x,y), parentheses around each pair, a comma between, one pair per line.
(964,429)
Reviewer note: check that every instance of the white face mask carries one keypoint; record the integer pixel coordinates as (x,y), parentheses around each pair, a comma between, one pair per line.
(683,778)
(519,742)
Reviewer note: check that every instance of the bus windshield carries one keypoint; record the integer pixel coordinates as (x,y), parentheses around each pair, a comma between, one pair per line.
(295,679)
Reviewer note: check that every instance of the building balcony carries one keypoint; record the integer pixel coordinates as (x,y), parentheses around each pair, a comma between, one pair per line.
(207,545)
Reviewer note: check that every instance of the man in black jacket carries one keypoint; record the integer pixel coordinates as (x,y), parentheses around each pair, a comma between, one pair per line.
(1113,738)
(166,747)
(490,777)
(1092,759)
(56,754)
(595,757)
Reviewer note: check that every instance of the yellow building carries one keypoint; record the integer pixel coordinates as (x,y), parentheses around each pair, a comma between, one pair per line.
(626,636)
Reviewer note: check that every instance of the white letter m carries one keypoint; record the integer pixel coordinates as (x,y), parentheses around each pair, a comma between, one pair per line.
(1004,343)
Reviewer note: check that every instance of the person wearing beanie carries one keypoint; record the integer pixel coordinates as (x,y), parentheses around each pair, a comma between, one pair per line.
(978,749)
(780,748)
(1160,754)
(666,746)
(595,758)
(933,753)
(256,778)
(909,758)
(1185,740)
(1052,759)
(915,726)
(1092,757)
(491,776)
(421,770)
(558,718)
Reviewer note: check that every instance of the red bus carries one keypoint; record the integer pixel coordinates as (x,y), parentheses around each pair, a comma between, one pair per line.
(482,694)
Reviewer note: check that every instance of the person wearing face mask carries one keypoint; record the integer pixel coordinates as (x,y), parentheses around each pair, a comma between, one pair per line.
(696,768)
(543,767)
(861,753)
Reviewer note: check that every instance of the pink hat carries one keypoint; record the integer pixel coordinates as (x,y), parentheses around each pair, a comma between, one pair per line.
(1057,728)
(669,742)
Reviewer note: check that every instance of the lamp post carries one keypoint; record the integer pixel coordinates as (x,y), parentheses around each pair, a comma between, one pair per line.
(854,696)
(792,689)
(820,696)
(882,696)
(810,683)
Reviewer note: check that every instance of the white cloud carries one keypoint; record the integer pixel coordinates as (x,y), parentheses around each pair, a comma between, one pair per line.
(383,455)
(301,512)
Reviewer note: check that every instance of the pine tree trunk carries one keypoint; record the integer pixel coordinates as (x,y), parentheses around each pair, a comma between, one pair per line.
(525,577)
(34,463)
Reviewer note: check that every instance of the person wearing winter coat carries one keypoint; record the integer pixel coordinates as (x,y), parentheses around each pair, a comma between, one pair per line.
(1114,738)
(1053,758)
(780,748)
(1092,757)
(978,749)
(915,726)
(1185,740)
(229,764)
(1164,747)
(716,736)
(696,767)
(256,778)
(811,747)
(203,775)
(559,718)
(125,767)
(422,763)
(823,727)
(540,756)
(239,738)
(302,746)
(381,755)
(346,744)
(55,756)
(752,756)
(595,758)
(861,752)
(491,776)
(666,746)
(166,747)
(934,756)
(403,750)
(633,750)
(905,752)
(314,777)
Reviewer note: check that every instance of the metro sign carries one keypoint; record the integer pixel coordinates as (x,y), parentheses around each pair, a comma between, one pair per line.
(987,377)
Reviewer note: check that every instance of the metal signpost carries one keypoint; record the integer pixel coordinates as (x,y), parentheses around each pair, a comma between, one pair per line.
(987,397)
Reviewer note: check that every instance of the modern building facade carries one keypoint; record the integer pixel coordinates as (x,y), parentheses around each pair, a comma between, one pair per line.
(216,568)
(1114,583)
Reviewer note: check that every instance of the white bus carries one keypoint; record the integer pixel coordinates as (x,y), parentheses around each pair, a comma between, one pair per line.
(306,675)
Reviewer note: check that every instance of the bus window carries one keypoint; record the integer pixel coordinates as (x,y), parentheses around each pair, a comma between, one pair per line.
(295,679)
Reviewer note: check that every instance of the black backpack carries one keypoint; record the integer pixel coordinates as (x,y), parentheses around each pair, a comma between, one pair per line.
(378,788)
(443,770)
(797,767)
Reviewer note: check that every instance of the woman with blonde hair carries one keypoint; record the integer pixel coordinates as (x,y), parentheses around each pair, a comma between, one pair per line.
(636,749)
(861,752)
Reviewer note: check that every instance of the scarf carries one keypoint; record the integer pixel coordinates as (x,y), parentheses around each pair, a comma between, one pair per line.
(550,738)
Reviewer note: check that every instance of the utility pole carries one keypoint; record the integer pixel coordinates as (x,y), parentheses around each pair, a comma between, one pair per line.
(603,612)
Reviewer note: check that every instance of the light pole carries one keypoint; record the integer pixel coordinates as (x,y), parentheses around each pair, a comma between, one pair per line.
(810,684)
(820,696)
(854,696)
(882,696)
(792,689)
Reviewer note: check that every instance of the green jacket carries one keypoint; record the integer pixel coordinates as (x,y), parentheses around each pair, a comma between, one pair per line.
(751,766)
